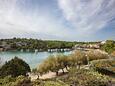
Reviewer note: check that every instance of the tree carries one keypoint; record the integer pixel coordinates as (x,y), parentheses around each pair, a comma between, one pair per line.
(77,58)
(14,67)
(95,55)
(63,61)
(50,64)
(13,46)
(109,46)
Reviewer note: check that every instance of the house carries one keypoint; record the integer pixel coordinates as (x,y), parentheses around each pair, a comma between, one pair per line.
(87,46)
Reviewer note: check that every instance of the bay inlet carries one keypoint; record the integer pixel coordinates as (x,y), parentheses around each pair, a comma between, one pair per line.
(32,58)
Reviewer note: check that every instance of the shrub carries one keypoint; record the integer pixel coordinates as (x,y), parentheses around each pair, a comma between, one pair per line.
(84,77)
(95,55)
(104,66)
(23,81)
(53,63)
(18,81)
(50,64)
(14,67)
(63,61)
(49,83)
(77,58)
(113,54)
(55,83)
(56,62)
(109,46)
(7,81)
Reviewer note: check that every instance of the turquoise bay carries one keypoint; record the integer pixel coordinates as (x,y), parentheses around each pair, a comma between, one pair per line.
(32,58)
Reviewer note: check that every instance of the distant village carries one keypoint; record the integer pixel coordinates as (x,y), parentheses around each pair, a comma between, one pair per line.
(6,47)
(89,46)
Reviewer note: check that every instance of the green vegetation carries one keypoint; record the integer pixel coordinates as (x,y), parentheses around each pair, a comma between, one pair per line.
(49,83)
(14,67)
(104,66)
(18,81)
(32,44)
(109,46)
(113,54)
(41,45)
(56,62)
(84,77)
(73,67)
(75,77)
(95,55)
(53,63)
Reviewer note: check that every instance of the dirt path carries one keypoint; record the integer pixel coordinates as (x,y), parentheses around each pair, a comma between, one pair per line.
(45,76)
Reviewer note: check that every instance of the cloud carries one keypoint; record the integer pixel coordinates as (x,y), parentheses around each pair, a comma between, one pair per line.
(30,18)
(19,21)
(88,16)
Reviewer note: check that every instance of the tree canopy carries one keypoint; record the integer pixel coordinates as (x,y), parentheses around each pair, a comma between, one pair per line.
(109,46)
(14,67)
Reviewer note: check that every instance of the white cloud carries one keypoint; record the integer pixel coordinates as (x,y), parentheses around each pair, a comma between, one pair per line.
(84,17)
(15,22)
(88,16)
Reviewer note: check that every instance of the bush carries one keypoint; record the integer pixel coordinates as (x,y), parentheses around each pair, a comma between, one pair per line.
(49,83)
(53,63)
(14,67)
(23,81)
(7,81)
(78,58)
(84,77)
(56,62)
(113,54)
(55,83)
(95,55)
(18,81)
(109,46)
(104,66)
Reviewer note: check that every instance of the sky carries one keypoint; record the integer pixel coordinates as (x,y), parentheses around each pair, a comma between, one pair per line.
(69,20)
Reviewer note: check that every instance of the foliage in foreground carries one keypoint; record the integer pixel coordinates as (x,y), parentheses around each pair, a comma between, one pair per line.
(85,78)
(113,54)
(104,66)
(18,81)
(14,67)
(77,77)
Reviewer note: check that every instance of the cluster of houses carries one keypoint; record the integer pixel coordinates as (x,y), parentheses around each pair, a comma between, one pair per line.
(89,46)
